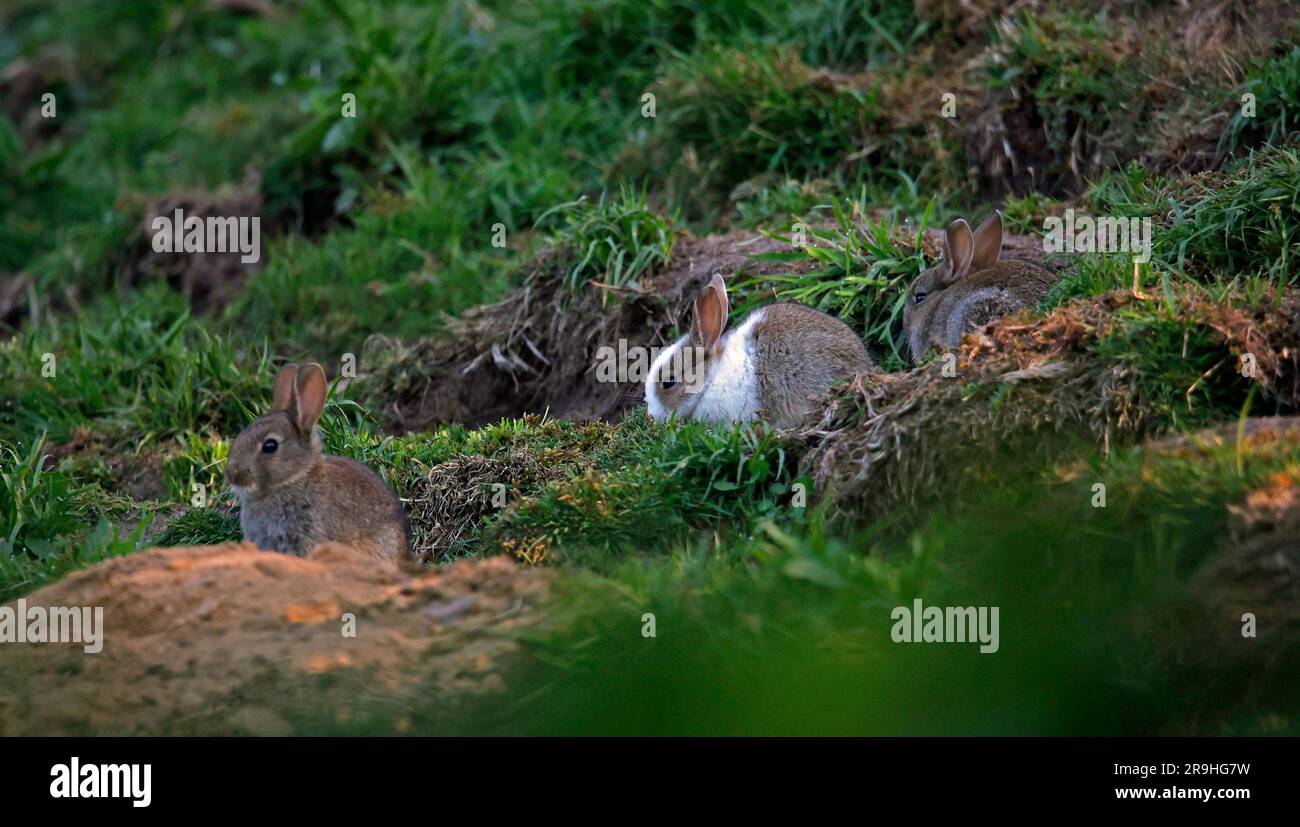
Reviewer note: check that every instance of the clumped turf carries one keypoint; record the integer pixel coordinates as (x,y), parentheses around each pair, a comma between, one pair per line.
(509,154)
(613,241)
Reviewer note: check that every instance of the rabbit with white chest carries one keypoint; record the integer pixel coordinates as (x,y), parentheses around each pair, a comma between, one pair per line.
(773,366)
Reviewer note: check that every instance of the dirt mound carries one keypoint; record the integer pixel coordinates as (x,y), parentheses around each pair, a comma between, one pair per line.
(230,640)
(1025,389)
(208,279)
(25,81)
(535,350)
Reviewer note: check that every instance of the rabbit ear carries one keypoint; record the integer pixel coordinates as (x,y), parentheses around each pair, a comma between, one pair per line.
(960,247)
(282,396)
(711,312)
(309,391)
(988,243)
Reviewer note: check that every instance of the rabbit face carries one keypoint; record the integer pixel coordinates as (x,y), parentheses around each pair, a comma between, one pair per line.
(677,378)
(269,453)
(922,299)
(968,253)
(281,446)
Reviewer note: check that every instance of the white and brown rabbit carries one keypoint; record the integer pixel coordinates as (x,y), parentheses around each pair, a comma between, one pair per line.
(292,496)
(773,366)
(969,288)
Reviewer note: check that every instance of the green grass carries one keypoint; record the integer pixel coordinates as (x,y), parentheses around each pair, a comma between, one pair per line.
(787,631)
(861,271)
(47,517)
(612,241)
(1242,223)
(484,122)
(726,116)
(1275,85)
(138,370)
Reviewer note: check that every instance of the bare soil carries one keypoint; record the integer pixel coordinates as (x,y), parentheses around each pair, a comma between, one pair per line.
(233,640)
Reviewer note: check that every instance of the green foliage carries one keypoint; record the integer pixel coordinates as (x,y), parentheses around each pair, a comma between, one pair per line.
(1245,222)
(1063,64)
(1275,83)
(862,269)
(409,69)
(848,33)
(142,368)
(613,241)
(37,505)
(43,514)
(1187,377)
(649,487)
(199,526)
(799,622)
(731,115)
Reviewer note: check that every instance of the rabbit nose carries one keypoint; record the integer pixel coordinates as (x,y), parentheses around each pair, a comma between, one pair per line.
(237,476)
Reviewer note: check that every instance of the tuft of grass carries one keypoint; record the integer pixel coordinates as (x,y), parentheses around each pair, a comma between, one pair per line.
(1186,376)
(1275,85)
(613,241)
(44,514)
(140,369)
(37,505)
(862,269)
(200,526)
(1243,221)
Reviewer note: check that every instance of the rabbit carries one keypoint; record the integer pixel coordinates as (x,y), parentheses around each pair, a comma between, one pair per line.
(969,288)
(292,496)
(772,367)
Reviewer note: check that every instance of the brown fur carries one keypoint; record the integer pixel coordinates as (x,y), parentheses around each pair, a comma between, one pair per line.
(789,382)
(969,288)
(297,497)
(797,354)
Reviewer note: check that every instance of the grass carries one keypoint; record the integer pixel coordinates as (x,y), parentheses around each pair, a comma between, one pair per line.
(729,115)
(488,134)
(787,631)
(1274,84)
(861,271)
(1241,222)
(613,241)
(139,370)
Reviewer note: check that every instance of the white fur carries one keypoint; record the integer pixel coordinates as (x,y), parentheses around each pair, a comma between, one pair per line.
(654,407)
(729,392)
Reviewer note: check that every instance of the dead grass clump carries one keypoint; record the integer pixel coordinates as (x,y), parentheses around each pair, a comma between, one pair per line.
(447,505)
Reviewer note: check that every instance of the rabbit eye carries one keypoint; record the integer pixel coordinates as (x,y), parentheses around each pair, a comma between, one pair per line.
(270,446)
(919,297)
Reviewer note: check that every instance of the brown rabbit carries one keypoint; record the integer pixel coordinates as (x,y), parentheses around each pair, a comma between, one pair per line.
(292,496)
(772,366)
(969,288)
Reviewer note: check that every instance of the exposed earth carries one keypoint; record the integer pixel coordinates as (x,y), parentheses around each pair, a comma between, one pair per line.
(231,640)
